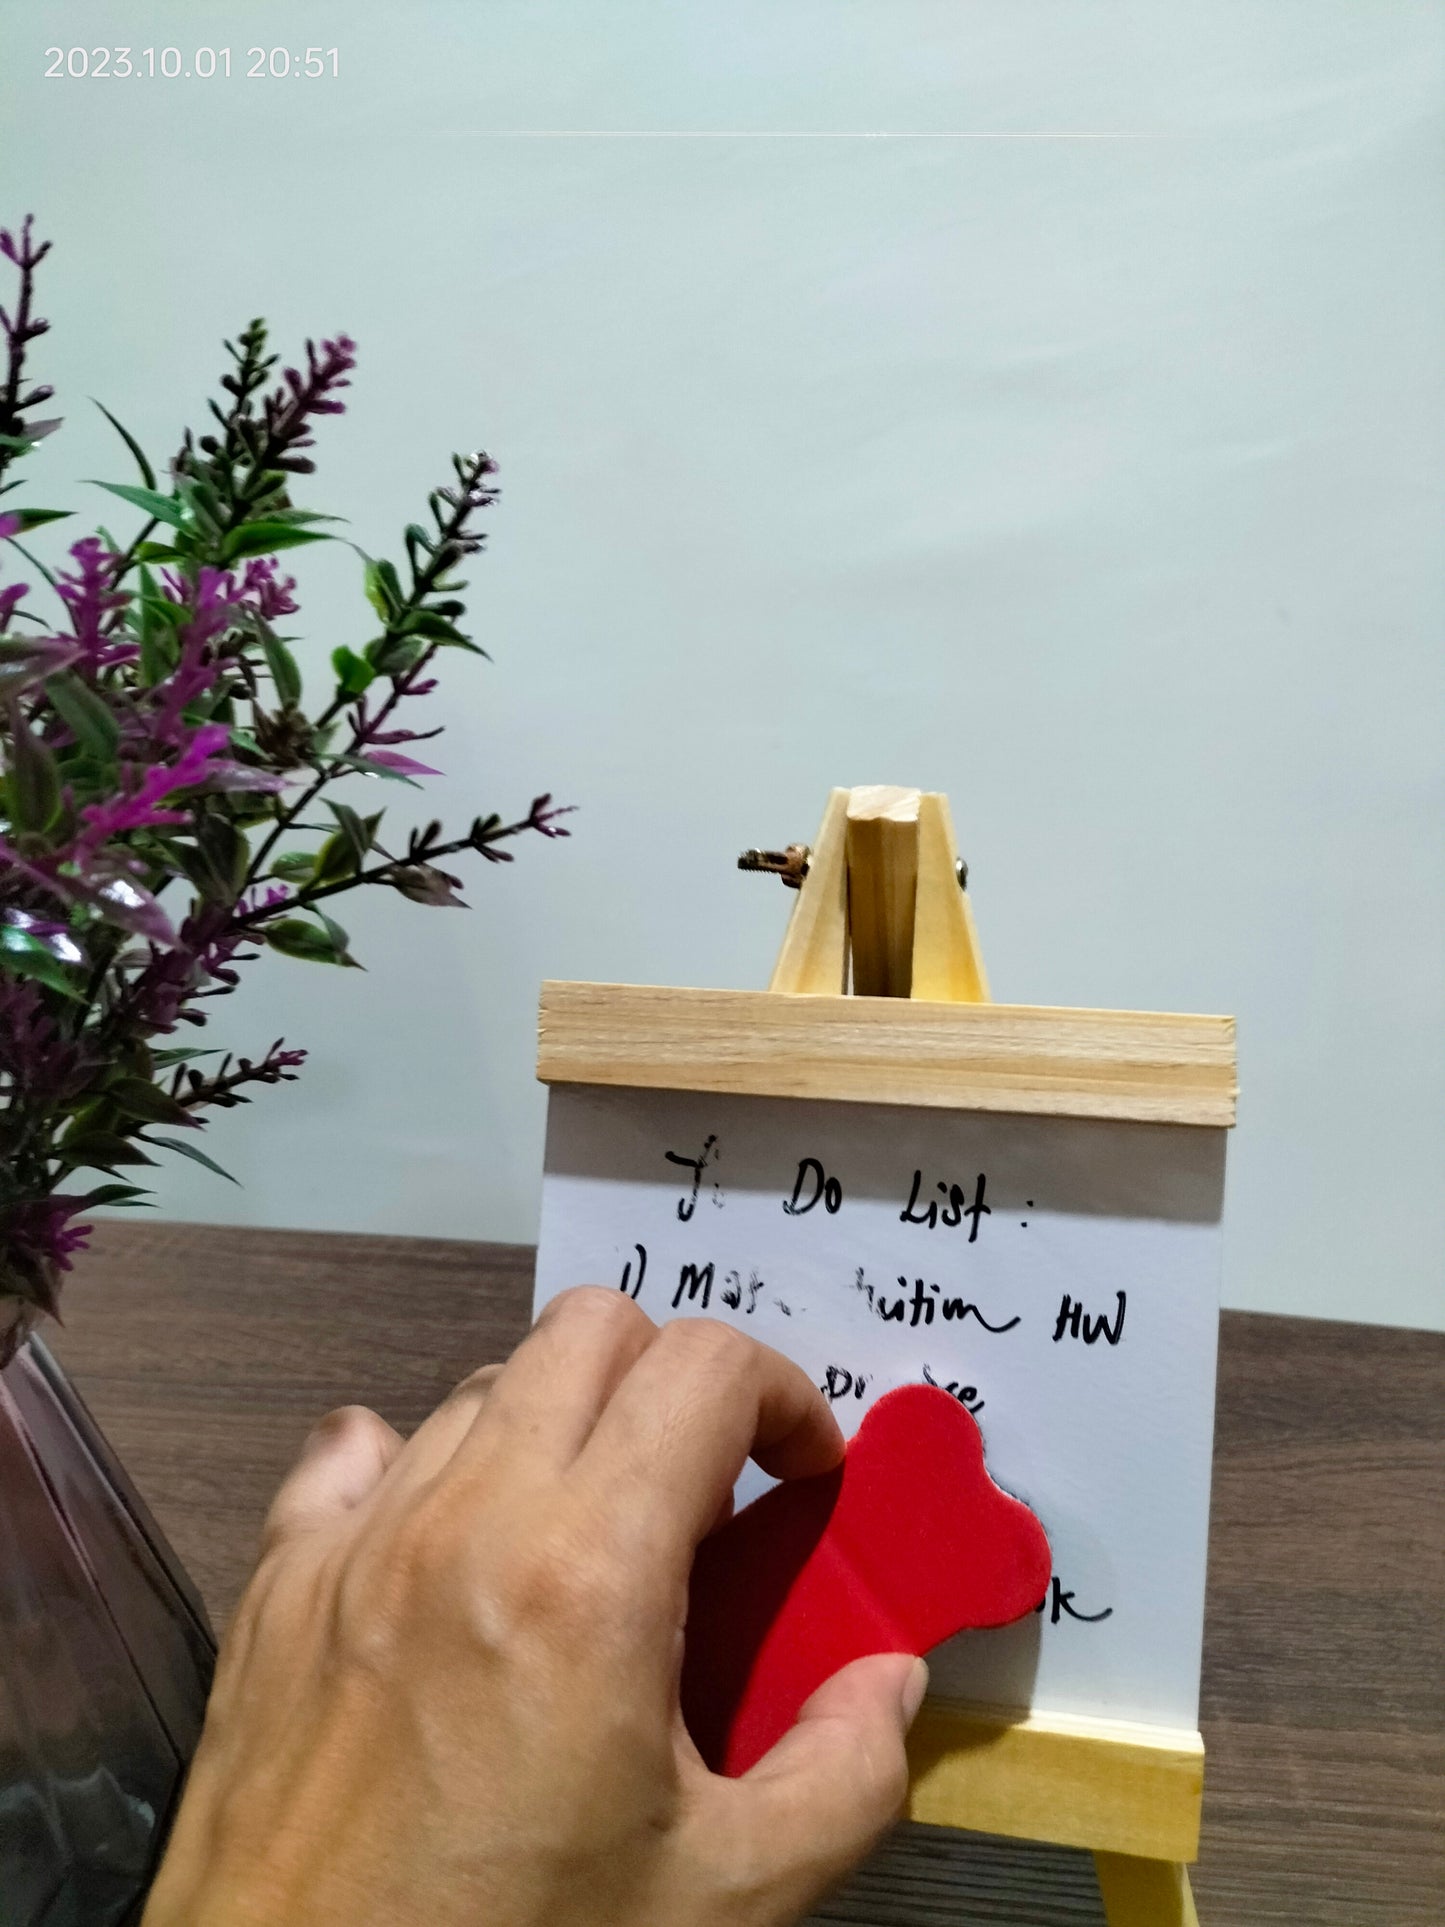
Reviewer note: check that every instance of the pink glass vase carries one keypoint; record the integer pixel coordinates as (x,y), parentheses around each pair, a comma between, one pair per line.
(106,1658)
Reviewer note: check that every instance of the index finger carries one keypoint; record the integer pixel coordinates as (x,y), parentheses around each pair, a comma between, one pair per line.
(700,1401)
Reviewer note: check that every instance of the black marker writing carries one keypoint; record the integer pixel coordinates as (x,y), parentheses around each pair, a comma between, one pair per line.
(627,1284)
(838,1382)
(920,1308)
(953,1210)
(688,1204)
(696,1283)
(966,1395)
(733,1289)
(811,1172)
(1059,1601)
(1074,1320)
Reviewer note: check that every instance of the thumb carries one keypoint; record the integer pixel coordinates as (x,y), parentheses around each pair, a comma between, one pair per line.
(341,1463)
(837,1780)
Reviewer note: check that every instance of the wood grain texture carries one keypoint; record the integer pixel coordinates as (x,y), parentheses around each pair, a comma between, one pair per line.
(947,961)
(1083,1783)
(813,959)
(207,1353)
(1147,1066)
(882,887)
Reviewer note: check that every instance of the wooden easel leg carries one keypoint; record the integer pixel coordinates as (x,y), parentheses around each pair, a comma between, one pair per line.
(1144,1893)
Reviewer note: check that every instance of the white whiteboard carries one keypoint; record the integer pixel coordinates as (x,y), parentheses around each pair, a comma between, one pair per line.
(1108,1438)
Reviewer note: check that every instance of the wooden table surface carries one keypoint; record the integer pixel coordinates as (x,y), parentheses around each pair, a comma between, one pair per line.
(207,1353)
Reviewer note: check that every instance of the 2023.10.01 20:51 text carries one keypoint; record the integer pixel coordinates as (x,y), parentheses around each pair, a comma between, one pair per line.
(203,63)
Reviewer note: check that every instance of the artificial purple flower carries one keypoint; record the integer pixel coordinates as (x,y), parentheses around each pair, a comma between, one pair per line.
(288,409)
(267,590)
(123,784)
(40,1063)
(95,605)
(43,1226)
(544,813)
(23,253)
(38,1241)
(140,808)
(198,666)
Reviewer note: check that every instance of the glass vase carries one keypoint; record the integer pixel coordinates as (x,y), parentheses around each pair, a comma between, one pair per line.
(106,1658)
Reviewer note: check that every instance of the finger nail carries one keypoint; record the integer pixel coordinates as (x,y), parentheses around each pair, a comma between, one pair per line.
(915,1685)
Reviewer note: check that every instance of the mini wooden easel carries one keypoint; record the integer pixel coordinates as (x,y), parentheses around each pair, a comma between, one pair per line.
(881,910)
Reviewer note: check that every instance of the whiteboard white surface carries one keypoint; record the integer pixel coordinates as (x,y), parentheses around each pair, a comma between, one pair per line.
(1109,1439)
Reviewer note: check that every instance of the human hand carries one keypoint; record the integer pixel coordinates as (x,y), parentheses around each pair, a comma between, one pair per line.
(449,1696)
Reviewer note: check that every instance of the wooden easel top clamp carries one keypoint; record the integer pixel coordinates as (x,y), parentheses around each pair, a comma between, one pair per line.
(880,908)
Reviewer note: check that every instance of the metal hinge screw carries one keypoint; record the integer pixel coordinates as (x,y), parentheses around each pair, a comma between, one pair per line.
(790,864)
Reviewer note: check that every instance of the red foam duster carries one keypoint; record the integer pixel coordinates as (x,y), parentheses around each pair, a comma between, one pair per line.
(907,1543)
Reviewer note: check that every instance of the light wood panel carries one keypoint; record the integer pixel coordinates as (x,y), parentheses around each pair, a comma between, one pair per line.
(1101,1784)
(882,887)
(947,960)
(813,959)
(1153,1068)
(1142,1893)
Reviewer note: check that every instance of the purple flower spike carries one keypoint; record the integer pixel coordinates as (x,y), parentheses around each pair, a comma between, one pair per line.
(95,605)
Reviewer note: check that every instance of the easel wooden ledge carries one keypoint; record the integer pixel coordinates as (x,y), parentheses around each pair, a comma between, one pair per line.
(881,899)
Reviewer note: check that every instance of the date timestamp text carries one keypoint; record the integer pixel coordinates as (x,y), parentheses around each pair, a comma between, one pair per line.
(200,63)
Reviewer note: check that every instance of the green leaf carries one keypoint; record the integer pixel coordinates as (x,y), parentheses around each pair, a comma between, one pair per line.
(180,1056)
(26,956)
(103,1149)
(337,935)
(294,937)
(147,473)
(353,675)
(192,1152)
(203,505)
(358,836)
(112,1193)
(285,672)
(376,592)
(299,518)
(296,866)
(159,649)
(383,589)
(139,1098)
(394,654)
(335,860)
(87,714)
(226,849)
(266,538)
(163,507)
(33,780)
(427,622)
(37,518)
(156,552)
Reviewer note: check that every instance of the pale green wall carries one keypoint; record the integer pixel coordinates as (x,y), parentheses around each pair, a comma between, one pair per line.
(1097,482)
